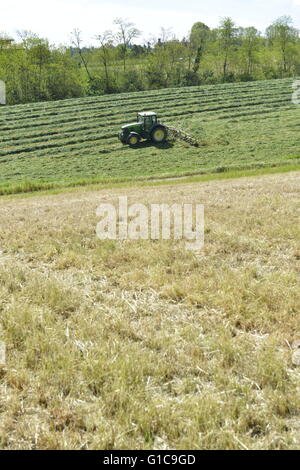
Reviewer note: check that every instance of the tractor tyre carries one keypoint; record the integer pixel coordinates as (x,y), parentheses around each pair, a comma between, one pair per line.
(159,134)
(133,139)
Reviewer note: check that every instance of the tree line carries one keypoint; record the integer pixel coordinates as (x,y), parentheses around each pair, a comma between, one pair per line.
(35,70)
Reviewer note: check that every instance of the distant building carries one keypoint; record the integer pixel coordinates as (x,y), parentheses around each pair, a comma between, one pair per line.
(6,42)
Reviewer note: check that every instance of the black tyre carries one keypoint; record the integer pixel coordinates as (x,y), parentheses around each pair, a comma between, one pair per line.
(133,139)
(159,134)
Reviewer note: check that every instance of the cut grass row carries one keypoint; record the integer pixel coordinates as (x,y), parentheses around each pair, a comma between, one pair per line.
(203,105)
(110,131)
(92,123)
(131,105)
(81,140)
(127,98)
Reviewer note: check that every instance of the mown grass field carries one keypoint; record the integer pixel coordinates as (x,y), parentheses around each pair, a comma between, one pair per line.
(242,125)
(142,344)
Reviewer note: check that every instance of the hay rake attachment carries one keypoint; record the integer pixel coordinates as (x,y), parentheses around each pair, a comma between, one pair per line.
(182,135)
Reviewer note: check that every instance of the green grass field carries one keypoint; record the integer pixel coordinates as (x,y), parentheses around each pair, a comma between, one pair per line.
(242,125)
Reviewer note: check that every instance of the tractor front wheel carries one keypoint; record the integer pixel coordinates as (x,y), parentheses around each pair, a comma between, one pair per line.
(133,139)
(159,134)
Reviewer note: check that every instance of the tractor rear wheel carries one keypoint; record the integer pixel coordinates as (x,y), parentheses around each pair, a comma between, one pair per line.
(133,139)
(159,134)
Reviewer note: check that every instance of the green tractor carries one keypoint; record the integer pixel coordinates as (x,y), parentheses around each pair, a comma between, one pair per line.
(147,127)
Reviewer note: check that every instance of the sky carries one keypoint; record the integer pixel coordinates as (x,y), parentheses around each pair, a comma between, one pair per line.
(56,19)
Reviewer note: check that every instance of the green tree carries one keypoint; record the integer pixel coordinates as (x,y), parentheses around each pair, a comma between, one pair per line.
(39,55)
(156,68)
(199,38)
(77,43)
(63,79)
(126,32)
(227,36)
(283,35)
(250,44)
(32,66)
(106,41)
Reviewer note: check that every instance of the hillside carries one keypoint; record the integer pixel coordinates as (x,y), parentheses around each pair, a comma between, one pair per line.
(142,344)
(240,125)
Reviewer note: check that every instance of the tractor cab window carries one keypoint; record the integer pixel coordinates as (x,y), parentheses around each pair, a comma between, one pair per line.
(149,122)
(140,118)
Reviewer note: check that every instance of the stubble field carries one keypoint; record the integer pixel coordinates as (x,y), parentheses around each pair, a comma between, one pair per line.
(144,345)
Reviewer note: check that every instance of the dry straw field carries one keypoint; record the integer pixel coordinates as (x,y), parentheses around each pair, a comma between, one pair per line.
(145,345)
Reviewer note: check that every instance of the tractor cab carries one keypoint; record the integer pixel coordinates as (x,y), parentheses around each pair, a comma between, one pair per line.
(148,119)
